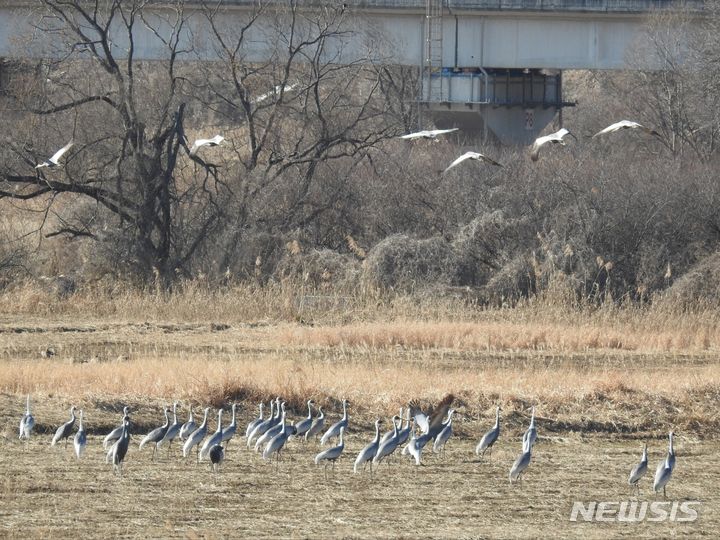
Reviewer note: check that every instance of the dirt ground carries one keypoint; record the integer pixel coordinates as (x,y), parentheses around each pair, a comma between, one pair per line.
(589,438)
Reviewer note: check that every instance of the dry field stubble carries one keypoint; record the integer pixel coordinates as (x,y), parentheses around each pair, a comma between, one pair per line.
(600,384)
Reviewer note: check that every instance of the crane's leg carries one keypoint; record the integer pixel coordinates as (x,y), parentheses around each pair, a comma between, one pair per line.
(664,494)
(153,454)
(325,470)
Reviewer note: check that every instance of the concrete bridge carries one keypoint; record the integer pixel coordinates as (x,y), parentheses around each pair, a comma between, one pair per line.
(486,64)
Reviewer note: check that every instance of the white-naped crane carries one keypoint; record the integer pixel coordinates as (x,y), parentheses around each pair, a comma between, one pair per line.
(215,438)
(54,161)
(80,440)
(334,430)
(553,138)
(368,453)
(665,468)
(196,437)
(277,443)
(274,430)
(626,124)
(116,433)
(387,447)
(118,451)
(27,422)
(317,425)
(404,433)
(523,461)
(638,471)
(64,431)
(490,438)
(252,425)
(331,454)
(188,427)
(431,425)
(531,432)
(172,431)
(444,436)
(157,434)
(229,432)
(304,425)
(431,134)
(199,143)
(263,426)
(393,432)
(475,156)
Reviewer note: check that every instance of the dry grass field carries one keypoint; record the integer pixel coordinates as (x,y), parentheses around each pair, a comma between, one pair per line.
(603,382)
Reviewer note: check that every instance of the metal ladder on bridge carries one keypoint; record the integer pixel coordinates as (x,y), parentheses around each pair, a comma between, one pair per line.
(432,68)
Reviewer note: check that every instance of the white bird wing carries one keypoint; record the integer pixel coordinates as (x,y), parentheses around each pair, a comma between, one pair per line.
(537,145)
(618,125)
(57,155)
(458,161)
(422,421)
(436,132)
(416,135)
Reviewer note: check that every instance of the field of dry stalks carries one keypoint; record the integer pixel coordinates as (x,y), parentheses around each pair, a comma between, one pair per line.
(602,381)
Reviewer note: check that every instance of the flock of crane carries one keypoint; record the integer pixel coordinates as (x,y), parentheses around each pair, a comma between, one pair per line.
(270,434)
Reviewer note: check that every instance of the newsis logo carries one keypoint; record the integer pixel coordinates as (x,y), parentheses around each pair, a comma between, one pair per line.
(635,511)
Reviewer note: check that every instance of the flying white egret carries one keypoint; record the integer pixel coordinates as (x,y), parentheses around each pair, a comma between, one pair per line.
(474,156)
(64,431)
(367,454)
(334,430)
(80,440)
(554,138)
(275,92)
(54,161)
(639,470)
(665,468)
(490,437)
(199,143)
(431,134)
(626,124)
(27,422)
(331,454)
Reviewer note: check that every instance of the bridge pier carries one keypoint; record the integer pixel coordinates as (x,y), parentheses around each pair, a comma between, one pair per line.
(514,105)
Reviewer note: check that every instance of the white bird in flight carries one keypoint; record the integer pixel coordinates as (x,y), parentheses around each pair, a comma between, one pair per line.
(54,161)
(556,138)
(626,124)
(216,140)
(275,92)
(427,134)
(472,155)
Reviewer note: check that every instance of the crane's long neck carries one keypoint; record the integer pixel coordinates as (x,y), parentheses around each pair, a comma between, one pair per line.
(344,410)
(233,411)
(204,424)
(261,411)
(27,408)
(282,420)
(395,427)
(671,450)
(272,411)
(81,419)
(377,432)
(167,417)
(644,454)
(72,415)
(219,426)
(532,418)
(191,415)
(174,413)
(309,411)
(322,414)
(497,418)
